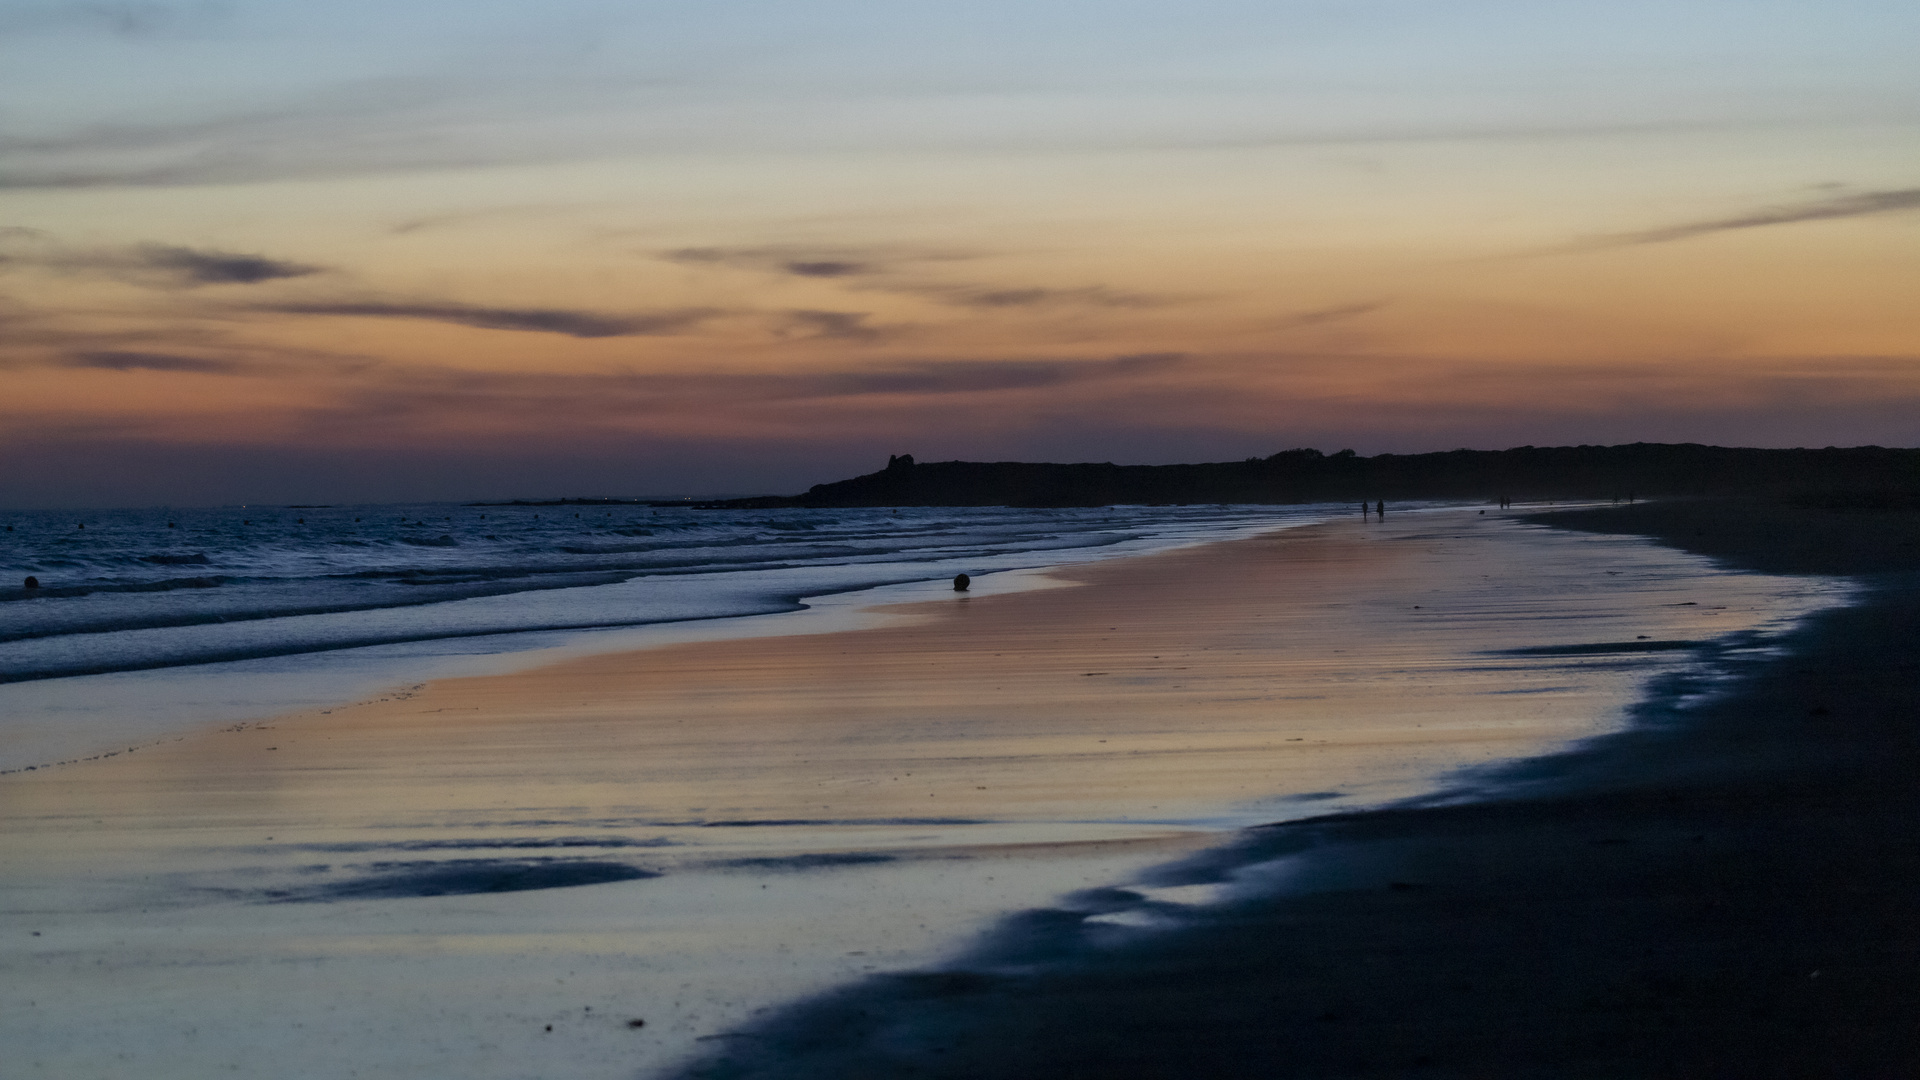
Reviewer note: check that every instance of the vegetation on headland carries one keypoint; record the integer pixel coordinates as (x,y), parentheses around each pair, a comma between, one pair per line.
(1864,475)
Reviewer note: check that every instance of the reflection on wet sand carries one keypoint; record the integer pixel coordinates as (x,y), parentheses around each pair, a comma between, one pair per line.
(745,821)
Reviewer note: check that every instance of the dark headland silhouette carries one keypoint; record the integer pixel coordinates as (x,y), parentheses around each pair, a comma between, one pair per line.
(1862,476)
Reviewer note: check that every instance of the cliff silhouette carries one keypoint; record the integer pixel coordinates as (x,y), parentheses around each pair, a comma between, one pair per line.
(1835,477)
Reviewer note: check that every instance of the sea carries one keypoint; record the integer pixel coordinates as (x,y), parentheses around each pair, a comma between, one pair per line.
(144,622)
(619,886)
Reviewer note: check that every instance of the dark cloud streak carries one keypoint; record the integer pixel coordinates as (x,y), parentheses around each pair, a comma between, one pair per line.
(166,266)
(472,120)
(193,267)
(427,390)
(822,261)
(824,268)
(986,297)
(967,376)
(1864,204)
(879,271)
(122,360)
(837,325)
(1332,314)
(579,324)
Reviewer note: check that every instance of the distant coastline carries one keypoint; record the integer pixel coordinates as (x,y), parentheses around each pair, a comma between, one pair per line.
(1870,477)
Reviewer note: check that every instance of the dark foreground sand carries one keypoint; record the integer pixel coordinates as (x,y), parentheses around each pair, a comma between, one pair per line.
(1730,889)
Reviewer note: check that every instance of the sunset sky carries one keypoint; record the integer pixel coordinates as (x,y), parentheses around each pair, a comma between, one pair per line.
(253,250)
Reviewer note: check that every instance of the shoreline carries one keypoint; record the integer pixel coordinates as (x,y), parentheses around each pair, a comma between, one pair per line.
(769,818)
(1727,888)
(66,720)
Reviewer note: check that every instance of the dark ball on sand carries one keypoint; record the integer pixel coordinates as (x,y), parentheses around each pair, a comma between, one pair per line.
(960,582)
(31,582)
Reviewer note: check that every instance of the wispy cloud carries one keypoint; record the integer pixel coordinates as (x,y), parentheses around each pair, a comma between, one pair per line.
(900,271)
(520,398)
(38,338)
(165,266)
(453,219)
(937,377)
(579,324)
(477,115)
(192,267)
(989,297)
(370,125)
(823,268)
(1862,204)
(1331,314)
(836,325)
(637,393)
(123,360)
(817,261)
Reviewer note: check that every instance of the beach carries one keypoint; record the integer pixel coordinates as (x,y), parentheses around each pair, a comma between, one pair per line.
(499,875)
(1722,889)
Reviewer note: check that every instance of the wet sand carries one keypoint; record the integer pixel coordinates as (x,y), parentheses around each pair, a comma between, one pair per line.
(494,876)
(1729,888)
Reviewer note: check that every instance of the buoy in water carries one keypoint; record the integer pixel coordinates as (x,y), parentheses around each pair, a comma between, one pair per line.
(31,582)
(960,582)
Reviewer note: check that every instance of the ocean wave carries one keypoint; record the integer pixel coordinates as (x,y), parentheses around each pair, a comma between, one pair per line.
(118,620)
(57,592)
(389,574)
(81,657)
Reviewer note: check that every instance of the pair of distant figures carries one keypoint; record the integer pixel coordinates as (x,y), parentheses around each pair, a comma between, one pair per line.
(1379,508)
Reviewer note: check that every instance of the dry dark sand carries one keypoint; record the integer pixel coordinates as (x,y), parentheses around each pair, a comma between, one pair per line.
(1729,889)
